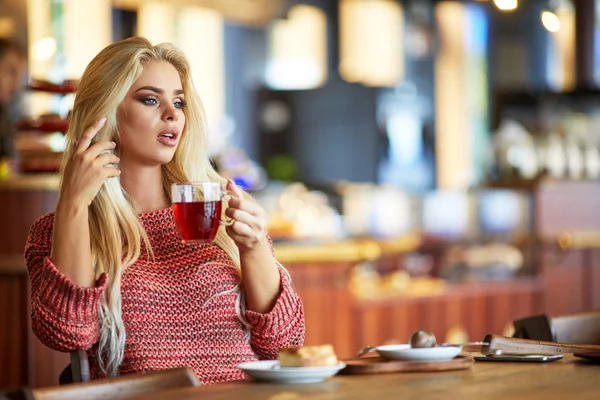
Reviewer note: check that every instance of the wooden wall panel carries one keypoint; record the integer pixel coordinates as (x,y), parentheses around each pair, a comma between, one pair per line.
(23,359)
(367,331)
(45,364)
(13,330)
(18,210)
(477,309)
(474,313)
(563,280)
(323,288)
(525,303)
(594,280)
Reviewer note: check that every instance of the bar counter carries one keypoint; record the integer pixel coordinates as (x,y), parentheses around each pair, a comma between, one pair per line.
(351,250)
(31,182)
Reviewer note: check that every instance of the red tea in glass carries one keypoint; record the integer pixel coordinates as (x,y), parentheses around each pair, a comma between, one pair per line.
(197,208)
(198,222)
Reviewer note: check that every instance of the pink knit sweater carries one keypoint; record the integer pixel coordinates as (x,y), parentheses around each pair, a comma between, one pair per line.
(172,314)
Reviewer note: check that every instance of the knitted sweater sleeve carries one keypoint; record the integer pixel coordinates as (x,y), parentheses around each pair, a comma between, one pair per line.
(282,326)
(64,316)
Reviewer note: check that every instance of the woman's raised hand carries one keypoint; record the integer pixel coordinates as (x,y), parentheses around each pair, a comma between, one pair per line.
(88,168)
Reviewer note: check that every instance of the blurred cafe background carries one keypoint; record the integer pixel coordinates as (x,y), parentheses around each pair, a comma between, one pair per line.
(424,164)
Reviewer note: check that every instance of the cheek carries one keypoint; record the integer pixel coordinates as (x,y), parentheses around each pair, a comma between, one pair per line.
(133,121)
(127,132)
(181,121)
(124,141)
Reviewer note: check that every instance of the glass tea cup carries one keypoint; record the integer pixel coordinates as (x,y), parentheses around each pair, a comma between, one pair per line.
(198,210)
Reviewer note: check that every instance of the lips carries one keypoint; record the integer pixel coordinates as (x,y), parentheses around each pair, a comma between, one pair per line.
(168,137)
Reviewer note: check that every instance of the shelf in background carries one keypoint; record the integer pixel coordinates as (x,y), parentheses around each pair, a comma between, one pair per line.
(44,125)
(66,87)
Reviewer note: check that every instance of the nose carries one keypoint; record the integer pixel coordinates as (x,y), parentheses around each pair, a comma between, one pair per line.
(171,113)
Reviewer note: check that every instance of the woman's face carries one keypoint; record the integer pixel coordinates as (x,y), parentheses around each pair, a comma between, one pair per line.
(151,117)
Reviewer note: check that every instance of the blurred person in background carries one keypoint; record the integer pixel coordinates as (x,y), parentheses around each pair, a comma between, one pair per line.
(12,70)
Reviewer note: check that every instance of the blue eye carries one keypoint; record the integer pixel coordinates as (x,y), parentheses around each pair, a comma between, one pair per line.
(180,104)
(149,101)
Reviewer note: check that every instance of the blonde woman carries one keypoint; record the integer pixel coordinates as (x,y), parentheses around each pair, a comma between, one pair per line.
(108,270)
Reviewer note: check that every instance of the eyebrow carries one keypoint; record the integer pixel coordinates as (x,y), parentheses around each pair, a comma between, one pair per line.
(158,90)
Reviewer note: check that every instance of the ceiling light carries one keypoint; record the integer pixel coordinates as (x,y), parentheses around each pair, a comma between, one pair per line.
(506,5)
(371,42)
(44,49)
(550,21)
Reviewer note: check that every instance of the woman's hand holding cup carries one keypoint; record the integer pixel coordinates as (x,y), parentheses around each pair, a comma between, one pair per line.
(249,220)
(197,210)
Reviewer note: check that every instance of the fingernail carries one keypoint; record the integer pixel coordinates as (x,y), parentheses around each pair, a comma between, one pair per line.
(102,121)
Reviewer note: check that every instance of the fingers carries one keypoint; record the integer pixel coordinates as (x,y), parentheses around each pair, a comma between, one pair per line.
(248,228)
(235,189)
(100,147)
(242,233)
(86,138)
(237,200)
(112,172)
(256,223)
(244,205)
(106,159)
(246,212)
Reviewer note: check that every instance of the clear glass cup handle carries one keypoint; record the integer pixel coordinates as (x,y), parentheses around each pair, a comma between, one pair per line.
(225,220)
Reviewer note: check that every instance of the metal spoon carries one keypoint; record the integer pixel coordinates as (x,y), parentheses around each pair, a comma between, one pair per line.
(365,350)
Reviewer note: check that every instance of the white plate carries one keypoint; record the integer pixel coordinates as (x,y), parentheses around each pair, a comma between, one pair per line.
(404,352)
(270,371)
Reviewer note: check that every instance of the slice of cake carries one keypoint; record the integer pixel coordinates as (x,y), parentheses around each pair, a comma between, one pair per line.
(308,356)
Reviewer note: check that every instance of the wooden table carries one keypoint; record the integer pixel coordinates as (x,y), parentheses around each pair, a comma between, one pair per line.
(565,379)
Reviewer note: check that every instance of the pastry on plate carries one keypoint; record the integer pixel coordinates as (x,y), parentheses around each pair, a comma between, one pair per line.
(308,356)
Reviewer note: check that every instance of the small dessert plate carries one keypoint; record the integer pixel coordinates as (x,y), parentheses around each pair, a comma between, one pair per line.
(270,371)
(403,352)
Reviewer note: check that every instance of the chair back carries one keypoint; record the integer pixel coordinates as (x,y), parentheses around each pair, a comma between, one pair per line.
(535,327)
(78,370)
(581,328)
(120,388)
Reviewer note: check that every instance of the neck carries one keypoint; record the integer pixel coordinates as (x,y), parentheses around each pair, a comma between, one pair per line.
(145,186)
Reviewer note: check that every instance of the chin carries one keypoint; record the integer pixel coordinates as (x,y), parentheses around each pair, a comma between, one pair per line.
(162,162)
(157,160)
(165,157)
(154,157)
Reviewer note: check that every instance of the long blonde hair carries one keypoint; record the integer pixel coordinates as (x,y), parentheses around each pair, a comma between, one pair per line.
(116,230)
